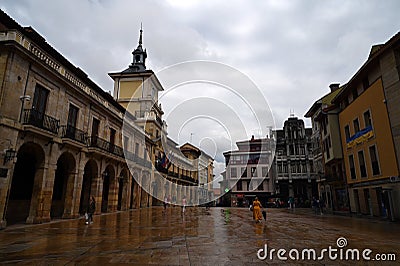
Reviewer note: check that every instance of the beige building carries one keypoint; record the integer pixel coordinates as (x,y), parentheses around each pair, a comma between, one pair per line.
(328,161)
(64,138)
(247,171)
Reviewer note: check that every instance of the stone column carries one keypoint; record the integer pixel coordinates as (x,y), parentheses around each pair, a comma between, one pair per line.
(37,202)
(77,189)
(70,196)
(5,186)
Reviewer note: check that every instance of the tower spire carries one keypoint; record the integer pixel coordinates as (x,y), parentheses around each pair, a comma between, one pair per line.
(139,55)
(141,32)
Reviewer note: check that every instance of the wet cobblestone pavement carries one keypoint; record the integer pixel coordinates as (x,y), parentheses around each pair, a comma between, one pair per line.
(200,237)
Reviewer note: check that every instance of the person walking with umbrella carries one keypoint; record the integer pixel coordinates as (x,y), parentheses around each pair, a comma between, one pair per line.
(257,216)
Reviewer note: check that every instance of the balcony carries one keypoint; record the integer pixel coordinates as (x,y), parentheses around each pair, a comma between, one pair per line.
(38,119)
(104,145)
(73,133)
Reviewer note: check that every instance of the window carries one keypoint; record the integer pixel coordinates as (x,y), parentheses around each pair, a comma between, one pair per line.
(367,119)
(71,122)
(327,153)
(72,116)
(361,162)
(253,171)
(355,94)
(356,125)
(112,136)
(233,173)
(239,186)
(126,141)
(365,82)
(243,170)
(145,154)
(285,168)
(136,149)
(347,132)
(264,171)
(374,160)
(40,101)
(261,186)
(352,169)
(95,127)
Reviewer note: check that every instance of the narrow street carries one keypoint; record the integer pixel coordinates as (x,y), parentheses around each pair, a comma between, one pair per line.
(200,237)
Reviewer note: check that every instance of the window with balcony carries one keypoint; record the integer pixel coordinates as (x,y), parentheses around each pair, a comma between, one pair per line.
(40,101)
(361,162)
(72,116)
(374,160)
(95,127)
(70,131)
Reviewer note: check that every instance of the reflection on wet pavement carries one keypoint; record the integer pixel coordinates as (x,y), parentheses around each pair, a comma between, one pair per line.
(200,237)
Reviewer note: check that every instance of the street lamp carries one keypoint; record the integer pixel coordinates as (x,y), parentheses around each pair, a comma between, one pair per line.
(9,155)
(23,98)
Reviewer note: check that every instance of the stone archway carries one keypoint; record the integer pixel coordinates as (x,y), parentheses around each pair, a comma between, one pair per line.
(66,166)
(29,166)
(109,189)
(144,195)
(122,189)
(134,191)
(88,184)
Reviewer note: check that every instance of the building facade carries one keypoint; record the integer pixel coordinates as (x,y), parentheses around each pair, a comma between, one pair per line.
(327,152)
(247,171)
(369,125)
(66,139)
(294,171)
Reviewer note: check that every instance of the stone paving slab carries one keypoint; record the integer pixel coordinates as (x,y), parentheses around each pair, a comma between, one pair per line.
(215,237)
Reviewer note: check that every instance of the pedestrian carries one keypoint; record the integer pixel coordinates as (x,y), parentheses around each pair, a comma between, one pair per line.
(291,203)
(315,205)
(169,200)
(257,216)
(91,210)
(165,202)
(321,205)
(183,204)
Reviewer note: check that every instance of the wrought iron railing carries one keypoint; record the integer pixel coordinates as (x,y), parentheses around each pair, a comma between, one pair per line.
(73,133)
(41,120)
(104,145)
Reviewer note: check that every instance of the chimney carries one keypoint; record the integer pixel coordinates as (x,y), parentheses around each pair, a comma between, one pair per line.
(334,86)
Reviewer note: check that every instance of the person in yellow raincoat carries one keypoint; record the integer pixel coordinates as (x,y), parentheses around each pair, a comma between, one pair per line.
(257,216)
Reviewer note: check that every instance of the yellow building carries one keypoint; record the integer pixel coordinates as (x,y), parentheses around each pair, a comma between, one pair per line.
(367,122)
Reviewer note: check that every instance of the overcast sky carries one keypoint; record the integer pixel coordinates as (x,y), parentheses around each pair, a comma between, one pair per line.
(290,50)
